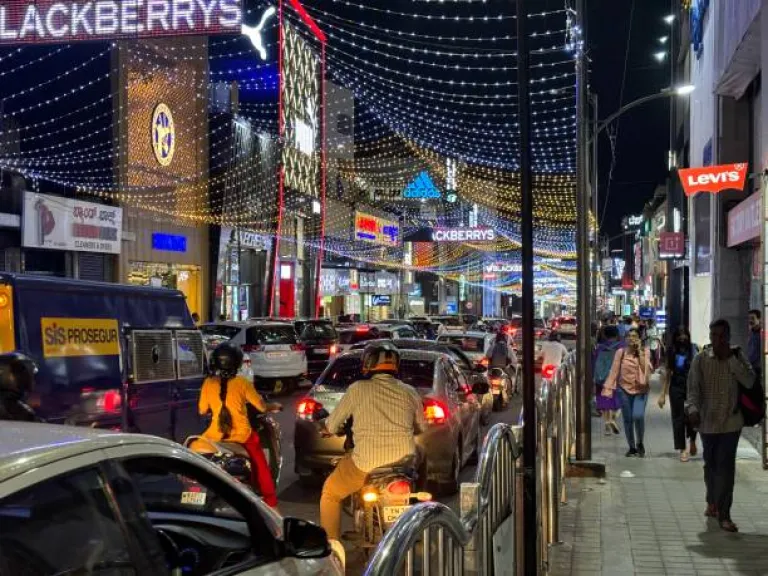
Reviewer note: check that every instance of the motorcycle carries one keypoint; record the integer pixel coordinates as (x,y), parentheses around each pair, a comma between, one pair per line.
(233,458)
(501,388)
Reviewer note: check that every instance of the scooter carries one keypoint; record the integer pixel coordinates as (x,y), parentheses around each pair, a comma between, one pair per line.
(501,388)
(233,458)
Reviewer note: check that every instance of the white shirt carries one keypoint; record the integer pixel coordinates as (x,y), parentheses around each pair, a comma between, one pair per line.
(553,353)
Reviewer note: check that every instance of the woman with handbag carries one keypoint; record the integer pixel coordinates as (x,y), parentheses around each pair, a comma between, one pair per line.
(629,378)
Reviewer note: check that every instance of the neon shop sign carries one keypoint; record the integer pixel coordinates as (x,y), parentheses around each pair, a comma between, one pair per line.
(45,21)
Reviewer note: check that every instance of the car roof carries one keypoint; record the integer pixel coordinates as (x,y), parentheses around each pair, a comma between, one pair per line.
(404,352)
(25,446)
(468,334)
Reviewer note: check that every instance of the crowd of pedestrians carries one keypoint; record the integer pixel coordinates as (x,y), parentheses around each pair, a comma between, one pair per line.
(713,393)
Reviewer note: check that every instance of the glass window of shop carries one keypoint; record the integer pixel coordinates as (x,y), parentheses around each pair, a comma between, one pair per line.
(183,277)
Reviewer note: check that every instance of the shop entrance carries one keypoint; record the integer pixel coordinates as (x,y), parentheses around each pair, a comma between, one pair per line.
(183,277)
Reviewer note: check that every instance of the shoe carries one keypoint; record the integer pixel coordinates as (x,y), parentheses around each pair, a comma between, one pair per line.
(631,453)
(641,450)
(684,457)
(711,511)
(692,450)
(338,553)
(728,526)
(614,427)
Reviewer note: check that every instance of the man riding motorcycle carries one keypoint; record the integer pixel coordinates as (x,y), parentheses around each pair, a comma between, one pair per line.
(386,414)
(227,395)
(17,379)
(502,355)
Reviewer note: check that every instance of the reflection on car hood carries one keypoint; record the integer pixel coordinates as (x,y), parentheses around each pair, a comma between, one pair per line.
(328,396)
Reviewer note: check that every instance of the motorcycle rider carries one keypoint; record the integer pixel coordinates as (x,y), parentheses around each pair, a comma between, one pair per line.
(386,414)
(226,395)
(17,380)
(501,355)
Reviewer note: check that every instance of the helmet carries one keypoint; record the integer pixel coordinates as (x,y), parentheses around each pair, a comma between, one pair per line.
(381,357)
(226,359)
(17,373)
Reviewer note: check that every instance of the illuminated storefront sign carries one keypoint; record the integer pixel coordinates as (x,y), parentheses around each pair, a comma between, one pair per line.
(163,135)
(41,21)
(713,179)
(480,234)
(421,188)
(254,33)
(169,242)
(376,230)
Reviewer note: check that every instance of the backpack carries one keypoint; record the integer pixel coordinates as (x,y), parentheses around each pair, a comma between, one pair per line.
(603,363)
(752,403)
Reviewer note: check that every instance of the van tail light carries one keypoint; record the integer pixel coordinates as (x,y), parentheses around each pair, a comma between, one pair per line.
(548,371)
(435,412)
(105,400)
(298,347)
(308,408)
(251,348)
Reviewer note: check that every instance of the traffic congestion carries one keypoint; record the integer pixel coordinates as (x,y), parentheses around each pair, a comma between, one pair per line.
(267,425)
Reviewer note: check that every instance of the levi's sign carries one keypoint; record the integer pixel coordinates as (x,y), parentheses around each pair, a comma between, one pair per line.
(480,234)
(713,179)
(35,22)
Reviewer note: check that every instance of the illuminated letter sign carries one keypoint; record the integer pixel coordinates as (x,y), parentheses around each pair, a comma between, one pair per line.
(254,33)
(480,234)
(421,187)
(45,21)
(376,230)
(713,179)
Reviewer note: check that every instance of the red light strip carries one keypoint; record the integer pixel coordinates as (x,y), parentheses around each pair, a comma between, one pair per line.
(308,20)
(318,297)
(281,171)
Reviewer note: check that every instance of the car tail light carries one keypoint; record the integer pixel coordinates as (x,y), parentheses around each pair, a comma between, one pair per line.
(362,329)
(399,487)
(298,347)
(334,349)
(548,371)
(435,412)
(250,348)
(307,409)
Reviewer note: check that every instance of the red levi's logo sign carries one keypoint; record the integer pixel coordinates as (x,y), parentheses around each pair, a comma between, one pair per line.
(713,179)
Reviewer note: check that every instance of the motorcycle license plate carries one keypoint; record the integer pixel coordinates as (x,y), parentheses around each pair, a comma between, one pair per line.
(193,498)
(392,513)
(278,386)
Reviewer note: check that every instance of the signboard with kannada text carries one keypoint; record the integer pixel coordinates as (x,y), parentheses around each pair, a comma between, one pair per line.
(376,230)
(62,21)
(59,223)
(64,337)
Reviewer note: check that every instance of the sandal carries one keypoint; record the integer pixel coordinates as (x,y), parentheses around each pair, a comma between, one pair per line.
(729,526)
(684,457)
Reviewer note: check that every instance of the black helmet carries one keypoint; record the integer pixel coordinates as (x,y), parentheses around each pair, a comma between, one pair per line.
(381,358)
(17,373)
(226,359)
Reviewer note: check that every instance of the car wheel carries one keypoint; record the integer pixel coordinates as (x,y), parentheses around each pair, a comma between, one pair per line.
(451,485)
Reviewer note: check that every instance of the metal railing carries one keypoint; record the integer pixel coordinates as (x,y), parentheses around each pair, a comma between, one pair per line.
(431,538)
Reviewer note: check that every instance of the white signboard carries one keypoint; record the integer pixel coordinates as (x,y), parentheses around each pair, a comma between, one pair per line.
(58,223)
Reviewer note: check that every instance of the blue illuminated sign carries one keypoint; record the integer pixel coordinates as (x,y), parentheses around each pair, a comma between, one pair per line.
(169,242)
(381,300)
(421,187)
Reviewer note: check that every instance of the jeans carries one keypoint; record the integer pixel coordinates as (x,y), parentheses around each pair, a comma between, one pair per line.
(720,470)
(345,480)
(633,413)
(680,427)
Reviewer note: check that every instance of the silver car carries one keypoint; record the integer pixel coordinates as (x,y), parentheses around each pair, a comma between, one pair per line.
(451,440)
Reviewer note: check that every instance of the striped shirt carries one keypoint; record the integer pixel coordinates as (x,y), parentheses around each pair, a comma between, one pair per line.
(713,390)
(386,415)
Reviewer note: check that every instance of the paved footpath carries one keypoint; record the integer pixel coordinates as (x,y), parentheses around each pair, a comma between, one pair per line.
(647,517)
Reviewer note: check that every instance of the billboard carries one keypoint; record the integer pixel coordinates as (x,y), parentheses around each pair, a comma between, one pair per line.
(58,223)
(462,234)
(713,179)
(61,21)
(376,230)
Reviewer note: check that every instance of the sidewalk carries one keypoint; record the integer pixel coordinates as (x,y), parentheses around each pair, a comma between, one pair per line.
(647,517)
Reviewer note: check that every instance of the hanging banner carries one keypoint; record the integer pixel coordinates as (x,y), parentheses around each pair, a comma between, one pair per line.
(713,179)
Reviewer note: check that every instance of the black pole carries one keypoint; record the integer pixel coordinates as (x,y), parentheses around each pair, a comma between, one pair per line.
(526,212)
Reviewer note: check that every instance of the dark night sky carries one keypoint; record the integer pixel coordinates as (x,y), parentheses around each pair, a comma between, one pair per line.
(643,137)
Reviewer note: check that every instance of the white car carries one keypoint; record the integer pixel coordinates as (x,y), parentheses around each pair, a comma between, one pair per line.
(85,501)
(272,348)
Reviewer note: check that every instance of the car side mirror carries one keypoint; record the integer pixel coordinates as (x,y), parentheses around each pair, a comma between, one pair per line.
(480,388)
(304,539)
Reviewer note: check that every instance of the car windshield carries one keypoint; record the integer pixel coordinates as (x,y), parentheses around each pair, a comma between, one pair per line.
(466,343)
(264,335)
(419,373)
(319,331)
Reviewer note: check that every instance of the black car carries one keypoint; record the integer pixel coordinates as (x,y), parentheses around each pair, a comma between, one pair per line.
(321,342)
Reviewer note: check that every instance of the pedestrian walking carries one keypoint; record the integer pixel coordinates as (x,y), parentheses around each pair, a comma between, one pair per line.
(679,359)
(603,362)
(713,408)
(629,378)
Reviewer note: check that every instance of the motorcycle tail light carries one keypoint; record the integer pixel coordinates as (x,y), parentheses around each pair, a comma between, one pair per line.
(435,412)
(307,409)
(422,496)
(548,371)
(370,495)
(399,487)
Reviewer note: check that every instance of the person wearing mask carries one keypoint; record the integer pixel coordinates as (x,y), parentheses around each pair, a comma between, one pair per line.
(629,378)
(603,362)
(755,342)
(713,408)
(386,415)
(226,395)
(17,381)
(679,359)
